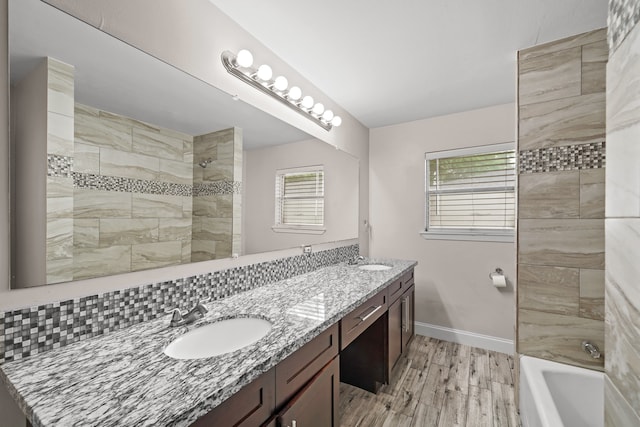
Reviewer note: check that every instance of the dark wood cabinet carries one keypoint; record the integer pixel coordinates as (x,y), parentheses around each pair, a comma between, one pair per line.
(356,322)
(316,405)
(408,317)
(249,407)
(401,316)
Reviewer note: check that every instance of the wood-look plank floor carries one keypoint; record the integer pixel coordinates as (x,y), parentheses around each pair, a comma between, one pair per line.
(438,384)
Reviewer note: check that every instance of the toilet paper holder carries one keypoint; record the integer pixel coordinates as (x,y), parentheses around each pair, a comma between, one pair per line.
(498,271)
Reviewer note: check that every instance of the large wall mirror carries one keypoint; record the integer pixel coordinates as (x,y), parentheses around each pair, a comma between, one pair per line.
(121,162)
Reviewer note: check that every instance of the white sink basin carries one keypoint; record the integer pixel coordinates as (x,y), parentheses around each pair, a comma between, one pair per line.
(374,267)
(218,338)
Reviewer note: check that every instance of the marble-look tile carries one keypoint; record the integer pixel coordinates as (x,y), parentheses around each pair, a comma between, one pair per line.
(86,233)
(86,158)
(562,242)
(623,84)
(128,165)
(59,270)
(223,249)
(219,229)
(116,231)
(218,171)
(549,77)
(187,151)
(224,205)
(592,190)
(203,250)
(175,229)
(59,197)
(176,172)
(59,238)
(617,411)
(575,120)
(622,173)
(592,294)
(187,207)
(550,289)
(564,44)
(163,143)
(207,144)
(156,206)
(88,262)
(101,204)
(594,67)
(206,206)
(154,255)
(60,134)
(186,252)
(94,128)
(549,195)
(623,17)
(558,337)
(622,306)
(60,87)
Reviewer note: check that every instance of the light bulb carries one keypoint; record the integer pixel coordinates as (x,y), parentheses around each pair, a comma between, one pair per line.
(336,121)
(264,72)
(244,58)
(327,116)
(281,83)
(294,93)
(318,109)
(307,102)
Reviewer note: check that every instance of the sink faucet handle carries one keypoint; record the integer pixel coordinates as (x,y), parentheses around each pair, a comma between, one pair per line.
(176,317)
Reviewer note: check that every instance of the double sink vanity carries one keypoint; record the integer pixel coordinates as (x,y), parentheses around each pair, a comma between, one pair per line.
(271,356)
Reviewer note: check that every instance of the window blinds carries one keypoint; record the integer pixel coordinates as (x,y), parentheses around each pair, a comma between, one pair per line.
(471,192)
(300,198)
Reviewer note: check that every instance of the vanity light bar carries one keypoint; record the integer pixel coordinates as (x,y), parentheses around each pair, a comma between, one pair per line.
(261,78)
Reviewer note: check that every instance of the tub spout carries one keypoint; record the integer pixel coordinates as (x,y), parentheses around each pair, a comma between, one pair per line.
(592,349)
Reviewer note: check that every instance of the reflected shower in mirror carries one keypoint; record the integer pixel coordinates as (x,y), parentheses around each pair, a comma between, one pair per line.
(121,162)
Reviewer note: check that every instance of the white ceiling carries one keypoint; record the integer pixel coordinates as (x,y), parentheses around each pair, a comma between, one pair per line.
(390,62)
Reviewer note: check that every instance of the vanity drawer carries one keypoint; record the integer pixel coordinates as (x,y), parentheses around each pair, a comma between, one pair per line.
(354,323)
(399,286)
(297,369)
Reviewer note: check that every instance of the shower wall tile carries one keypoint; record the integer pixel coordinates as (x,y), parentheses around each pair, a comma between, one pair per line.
(163,143)
(174,229)
(59,238)
(592,294)
(203,250)
(623,17)
(86,233)
(128,231)
(549,195)
(566,121)
(177,172)
(558,337)
(617,411)
(551,76)
(101,204)
(623,176)
(550,289)
(59,197)
(59,134)
(86,158)
(623,107)
(592,190)
(94,262)
(156,206)
(60,87)
(128,165)
(562,242)
(59,270)
(154,255)
(93,127)
(563,44)
(594,67)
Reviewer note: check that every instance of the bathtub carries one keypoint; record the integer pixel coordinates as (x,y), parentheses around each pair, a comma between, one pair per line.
(557,395)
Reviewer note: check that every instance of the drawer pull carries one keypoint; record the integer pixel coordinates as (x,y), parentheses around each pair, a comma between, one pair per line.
(364,318)
(405,317)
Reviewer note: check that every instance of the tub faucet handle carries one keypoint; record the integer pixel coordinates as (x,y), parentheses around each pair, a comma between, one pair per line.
(592,349)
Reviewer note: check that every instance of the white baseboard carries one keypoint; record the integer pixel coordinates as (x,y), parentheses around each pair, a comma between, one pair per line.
(465,337)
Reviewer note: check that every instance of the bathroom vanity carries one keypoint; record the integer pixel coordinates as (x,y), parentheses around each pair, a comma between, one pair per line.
(337,323)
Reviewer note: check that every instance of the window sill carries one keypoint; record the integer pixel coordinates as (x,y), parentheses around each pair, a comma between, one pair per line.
(299,229)
(471,236)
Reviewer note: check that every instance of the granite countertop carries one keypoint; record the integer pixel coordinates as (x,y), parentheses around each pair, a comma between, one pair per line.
(124,378)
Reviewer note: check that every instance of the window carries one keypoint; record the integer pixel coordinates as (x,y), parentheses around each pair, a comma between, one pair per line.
(470,193)
(300,200)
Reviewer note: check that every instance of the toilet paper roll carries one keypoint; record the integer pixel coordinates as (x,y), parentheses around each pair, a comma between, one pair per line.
(499,281)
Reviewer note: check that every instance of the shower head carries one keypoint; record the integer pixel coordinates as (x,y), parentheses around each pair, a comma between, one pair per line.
(203,164)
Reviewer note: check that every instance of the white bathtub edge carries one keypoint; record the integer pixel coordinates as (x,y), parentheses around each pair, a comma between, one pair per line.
(472,339)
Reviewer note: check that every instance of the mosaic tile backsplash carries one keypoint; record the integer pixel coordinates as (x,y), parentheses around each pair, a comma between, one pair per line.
(623,16)
(41,328)
(566,158)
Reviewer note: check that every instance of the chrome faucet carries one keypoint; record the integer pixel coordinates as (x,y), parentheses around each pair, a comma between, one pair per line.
(592,349)
(355,260)
(197,312)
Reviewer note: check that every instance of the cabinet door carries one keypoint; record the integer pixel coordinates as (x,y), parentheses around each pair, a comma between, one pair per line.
(395,334)
(408,317)
(316,405)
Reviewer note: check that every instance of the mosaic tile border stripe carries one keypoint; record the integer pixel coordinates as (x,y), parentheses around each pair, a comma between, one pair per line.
(59,165)
(41,328)
(215,188)
(566,158)
(623,16)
